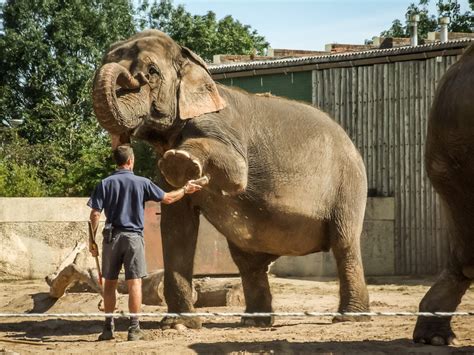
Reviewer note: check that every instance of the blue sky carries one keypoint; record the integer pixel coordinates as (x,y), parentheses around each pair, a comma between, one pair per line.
(310,24)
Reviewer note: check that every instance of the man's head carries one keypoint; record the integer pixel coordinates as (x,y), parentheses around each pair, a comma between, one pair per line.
(123,156)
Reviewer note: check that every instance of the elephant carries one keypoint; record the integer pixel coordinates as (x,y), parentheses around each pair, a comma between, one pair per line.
(284,178)
(449,153)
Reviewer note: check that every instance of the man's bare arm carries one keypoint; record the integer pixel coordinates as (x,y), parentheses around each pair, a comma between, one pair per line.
(176,195)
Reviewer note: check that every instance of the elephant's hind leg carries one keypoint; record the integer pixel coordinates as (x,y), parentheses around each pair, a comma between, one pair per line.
(444,296)
(345,244)
(253,269)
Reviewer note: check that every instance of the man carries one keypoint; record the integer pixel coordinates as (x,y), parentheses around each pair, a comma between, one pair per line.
(122,196)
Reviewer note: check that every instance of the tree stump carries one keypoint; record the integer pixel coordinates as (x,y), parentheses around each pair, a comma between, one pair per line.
(217,292)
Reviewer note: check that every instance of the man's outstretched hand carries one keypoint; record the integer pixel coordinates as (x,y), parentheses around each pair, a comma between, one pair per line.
(195,185)
(191,187)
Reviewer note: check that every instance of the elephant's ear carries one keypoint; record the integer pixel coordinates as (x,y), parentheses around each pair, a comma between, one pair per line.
(197,91)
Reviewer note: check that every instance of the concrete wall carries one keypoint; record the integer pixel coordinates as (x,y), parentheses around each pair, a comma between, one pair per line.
(36,234)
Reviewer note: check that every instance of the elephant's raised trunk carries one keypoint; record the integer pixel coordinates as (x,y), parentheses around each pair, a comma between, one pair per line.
(120,101)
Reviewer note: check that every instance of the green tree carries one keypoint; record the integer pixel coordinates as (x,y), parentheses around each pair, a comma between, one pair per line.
(204,34)
(50,50)
(460,21)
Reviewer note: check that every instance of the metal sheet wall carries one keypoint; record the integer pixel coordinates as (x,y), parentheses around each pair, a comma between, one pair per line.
(384,108)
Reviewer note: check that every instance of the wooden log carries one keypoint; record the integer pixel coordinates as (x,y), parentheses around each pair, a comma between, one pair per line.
(215,292)
(70,259)
(207,292)
(85,280)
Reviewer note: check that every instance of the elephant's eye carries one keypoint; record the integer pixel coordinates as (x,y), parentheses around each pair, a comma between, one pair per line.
(153,70)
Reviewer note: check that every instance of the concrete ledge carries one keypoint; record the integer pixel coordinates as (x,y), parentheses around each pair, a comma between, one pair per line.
(47,209)
(380,208)
(36,234)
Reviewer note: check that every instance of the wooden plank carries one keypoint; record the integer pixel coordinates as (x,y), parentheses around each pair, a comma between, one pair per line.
(320,89)
(421,152)
(336,83)
(402,180)
(438,231)
(417,158)
(354,115)
(314,86)
(406,157)
(429,192)
(381,157)
(368,88)
(347,101)
(327,93)
(387,158)
(364,109)
(360,114)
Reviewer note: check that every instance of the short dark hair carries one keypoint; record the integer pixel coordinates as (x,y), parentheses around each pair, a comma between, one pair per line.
(122,153)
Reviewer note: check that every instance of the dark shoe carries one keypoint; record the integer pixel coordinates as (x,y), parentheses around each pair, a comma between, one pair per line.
(107,333)
(135,334)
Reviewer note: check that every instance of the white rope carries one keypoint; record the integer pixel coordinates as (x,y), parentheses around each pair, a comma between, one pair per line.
(235,314)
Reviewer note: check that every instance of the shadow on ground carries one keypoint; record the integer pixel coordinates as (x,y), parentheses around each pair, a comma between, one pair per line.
(42,302)
(397,346)
(45,329)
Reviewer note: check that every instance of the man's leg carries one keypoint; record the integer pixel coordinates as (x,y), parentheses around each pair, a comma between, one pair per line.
(110,300)
(134,300)
(135,270)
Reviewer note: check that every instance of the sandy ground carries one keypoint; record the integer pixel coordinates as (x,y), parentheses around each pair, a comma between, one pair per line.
(225,335)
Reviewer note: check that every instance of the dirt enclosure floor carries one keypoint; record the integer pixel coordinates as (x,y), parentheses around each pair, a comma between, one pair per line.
(225,335)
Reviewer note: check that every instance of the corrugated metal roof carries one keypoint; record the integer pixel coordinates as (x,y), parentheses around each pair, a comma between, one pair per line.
(374,53)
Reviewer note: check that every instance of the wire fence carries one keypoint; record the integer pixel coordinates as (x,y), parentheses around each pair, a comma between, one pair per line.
(237,314)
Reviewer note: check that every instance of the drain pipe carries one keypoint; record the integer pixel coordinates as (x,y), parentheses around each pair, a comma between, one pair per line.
(413,21)
(444,22)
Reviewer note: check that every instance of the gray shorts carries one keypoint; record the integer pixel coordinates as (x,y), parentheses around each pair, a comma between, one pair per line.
(127,248)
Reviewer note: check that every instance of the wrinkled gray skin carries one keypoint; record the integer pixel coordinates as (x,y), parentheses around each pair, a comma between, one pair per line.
(450,165)
(284,178)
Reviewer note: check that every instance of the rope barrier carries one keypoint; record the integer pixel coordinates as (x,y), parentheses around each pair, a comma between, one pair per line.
(235,314)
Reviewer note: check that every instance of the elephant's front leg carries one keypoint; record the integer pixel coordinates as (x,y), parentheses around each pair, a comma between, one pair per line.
(196,157)
(444,296)
(253,269)
(179,230)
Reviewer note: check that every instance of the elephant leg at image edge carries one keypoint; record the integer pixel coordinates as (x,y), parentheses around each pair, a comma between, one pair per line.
(353,293)
(444,296)
(253,269)
(179,230)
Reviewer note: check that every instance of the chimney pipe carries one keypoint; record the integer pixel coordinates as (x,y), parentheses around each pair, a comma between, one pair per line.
(444,21)
(413,21)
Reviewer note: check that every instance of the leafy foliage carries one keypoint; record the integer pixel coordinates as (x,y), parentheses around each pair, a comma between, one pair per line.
(204,34)
(460,21)
(50,50)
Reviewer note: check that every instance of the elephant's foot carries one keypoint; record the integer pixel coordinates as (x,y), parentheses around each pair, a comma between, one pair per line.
(178,166)
(178,323)
(434,331)
(262,322)
(353,318)
(339,319)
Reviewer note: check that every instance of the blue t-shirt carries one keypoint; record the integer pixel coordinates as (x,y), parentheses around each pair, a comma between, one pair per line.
(123,195)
